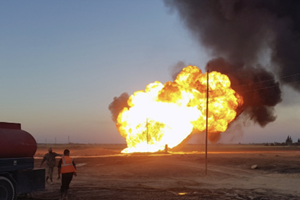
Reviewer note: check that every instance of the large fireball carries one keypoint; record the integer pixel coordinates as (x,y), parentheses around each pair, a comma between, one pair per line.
(165,114)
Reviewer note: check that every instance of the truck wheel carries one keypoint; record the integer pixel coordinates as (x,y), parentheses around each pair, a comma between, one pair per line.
(7,190)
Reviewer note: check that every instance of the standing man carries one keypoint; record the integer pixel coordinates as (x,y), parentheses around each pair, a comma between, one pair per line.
(67,168)
(50,163)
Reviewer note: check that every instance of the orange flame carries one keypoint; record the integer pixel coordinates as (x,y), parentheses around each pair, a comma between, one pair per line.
(167,114)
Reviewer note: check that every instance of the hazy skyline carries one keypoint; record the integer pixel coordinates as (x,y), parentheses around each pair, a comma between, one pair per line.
(63,62)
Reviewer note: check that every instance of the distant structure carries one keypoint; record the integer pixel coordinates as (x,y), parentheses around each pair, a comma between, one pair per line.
(289,141)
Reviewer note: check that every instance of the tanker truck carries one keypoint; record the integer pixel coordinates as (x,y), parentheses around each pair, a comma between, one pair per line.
(17,173)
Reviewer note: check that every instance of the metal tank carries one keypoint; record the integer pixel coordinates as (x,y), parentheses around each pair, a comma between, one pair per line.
(17,173)
(14,142)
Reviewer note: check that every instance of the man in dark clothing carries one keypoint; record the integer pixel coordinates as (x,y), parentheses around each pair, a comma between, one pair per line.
(50,163)
(67,168)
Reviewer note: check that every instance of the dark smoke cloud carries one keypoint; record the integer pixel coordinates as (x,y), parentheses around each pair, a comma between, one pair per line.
(238,33)
(240,30)
(117,105)
(258,87)
(228,28)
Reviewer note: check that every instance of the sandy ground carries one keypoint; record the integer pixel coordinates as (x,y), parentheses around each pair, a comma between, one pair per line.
(104,173)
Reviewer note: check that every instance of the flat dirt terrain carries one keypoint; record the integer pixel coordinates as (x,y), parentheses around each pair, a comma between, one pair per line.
(105,173)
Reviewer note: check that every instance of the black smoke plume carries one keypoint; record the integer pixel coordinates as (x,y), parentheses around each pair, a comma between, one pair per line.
(257,86)
(239,34)
(117,105)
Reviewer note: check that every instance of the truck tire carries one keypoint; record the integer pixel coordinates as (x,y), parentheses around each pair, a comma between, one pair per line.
(7,189)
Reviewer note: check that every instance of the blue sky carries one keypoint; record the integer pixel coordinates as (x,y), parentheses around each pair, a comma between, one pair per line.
(63,62)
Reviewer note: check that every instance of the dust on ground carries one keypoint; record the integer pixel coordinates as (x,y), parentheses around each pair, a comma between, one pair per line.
(104,173)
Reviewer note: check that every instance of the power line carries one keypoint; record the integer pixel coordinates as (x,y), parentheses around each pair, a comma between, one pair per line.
(267,87)
(211,96)
(280,78)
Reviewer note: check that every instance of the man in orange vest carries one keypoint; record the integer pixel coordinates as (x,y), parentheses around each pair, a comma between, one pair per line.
(67,168)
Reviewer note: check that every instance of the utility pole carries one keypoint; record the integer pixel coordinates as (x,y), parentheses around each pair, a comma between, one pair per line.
(207,87)
(147,133)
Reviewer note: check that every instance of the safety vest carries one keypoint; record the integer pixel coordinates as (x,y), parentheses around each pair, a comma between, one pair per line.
(67,165)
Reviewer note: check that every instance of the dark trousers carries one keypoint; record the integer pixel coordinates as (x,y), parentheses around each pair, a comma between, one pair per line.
(65,181)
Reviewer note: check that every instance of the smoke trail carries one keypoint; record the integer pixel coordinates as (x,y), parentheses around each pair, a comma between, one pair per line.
(176,69)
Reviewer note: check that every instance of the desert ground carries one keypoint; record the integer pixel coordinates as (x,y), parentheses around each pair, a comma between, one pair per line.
(105,173)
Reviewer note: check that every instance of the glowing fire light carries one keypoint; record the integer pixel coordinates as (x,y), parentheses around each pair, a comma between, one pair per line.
(167,114)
